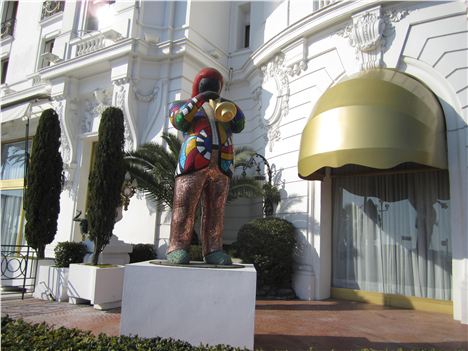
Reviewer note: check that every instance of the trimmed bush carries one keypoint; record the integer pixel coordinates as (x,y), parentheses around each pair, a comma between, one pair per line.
(69,252)
(106,179)
(19,335)
(268,243)
(44,184)
(142,252)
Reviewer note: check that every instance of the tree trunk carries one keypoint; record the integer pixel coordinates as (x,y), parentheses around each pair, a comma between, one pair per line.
(41,252)
(96,253)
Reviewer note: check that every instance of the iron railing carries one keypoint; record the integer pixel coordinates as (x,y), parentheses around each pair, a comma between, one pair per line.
(18,267)
(7,27)
(50,8)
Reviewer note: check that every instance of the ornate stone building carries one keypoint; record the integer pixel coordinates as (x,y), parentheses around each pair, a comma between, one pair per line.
(360,108)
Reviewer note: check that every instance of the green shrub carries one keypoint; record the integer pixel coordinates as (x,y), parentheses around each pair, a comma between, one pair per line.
(142,252)
(69,252)
(268,243)
(196,253)
(19,335)
(105,179)
(44,184)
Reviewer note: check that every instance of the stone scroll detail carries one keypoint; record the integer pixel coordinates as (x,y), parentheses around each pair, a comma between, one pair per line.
(369,34)
(275,77)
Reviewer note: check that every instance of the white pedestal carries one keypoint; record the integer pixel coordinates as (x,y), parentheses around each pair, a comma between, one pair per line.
(102,287)
(51,283)
(303,283)
(116,252)
(198,305)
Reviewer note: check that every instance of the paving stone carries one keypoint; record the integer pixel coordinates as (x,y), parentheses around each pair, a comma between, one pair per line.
(288,325)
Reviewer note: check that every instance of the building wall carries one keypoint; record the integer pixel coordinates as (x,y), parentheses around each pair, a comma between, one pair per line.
(296,52)
(305,59)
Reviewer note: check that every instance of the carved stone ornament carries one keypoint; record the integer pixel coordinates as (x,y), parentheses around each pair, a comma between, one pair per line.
(95,106)
(120,100)
(68,175)
(297,68)
(59,107)
(144,97)
(369,34)
(274,97)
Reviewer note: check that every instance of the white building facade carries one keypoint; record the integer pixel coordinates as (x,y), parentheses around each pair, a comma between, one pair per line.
(363,229)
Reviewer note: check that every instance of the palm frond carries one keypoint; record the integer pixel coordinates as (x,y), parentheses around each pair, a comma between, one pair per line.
(244,187)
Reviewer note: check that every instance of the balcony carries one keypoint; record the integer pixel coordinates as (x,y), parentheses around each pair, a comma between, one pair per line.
(7,28)
(96,41)
(50,8)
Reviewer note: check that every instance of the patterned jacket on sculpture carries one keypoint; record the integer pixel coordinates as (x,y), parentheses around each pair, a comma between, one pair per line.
(190,117)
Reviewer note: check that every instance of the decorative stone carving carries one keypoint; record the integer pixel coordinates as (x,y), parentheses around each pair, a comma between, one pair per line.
(120,99)
(59,107)
(66,111)
(68,175)
(297,68)
(274,97)
(144,97)
(95,106)
(369,34)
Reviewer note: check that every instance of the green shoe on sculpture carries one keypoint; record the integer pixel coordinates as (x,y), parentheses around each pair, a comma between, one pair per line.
(178,257)
(218,257)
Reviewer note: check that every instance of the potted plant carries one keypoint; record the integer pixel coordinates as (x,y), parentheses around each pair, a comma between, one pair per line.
(102,284)
(52,281)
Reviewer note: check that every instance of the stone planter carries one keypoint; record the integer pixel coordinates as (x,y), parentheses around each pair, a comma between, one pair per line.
(51,283)
(100,286)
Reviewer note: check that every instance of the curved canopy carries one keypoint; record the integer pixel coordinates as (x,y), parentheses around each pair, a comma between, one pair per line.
(378,119)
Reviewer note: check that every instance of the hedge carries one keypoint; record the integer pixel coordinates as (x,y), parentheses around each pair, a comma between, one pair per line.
(19,335)
(69,252)
(142,252)
(269,244)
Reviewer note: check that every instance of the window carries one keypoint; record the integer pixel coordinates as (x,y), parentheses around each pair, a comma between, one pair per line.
(50,8)
(8,18)
(46,57)
(247,36)
(97,11)
(4,69)
(243,26)
(391,234)
(11,186)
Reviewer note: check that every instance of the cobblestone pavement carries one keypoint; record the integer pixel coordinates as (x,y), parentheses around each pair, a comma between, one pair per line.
(291,325)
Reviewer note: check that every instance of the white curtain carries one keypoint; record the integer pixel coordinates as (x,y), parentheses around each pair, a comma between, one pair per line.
(391,234)
(11,212)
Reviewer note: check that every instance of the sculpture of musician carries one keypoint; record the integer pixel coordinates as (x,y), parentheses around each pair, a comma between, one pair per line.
(204,167)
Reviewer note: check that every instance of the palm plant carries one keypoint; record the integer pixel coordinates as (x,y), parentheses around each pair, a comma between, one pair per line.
(153,166)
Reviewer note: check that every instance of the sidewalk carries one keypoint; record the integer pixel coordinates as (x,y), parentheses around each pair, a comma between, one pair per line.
(288,325)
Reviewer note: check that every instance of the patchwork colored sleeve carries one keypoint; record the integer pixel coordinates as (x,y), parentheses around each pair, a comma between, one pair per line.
(181,112)
(238,122)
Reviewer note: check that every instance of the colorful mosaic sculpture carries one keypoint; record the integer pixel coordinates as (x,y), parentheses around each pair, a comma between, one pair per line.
(204,167)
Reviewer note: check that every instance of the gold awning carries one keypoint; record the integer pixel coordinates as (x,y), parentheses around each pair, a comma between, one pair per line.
(378,119)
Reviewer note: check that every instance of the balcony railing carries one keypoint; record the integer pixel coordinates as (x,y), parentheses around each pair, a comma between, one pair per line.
(7,27)
(96,41)
(50,8)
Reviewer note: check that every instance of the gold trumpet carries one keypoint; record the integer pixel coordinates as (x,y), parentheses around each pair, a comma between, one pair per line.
(224,111)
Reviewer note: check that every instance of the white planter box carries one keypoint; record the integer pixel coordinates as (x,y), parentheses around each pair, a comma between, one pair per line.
(51,283)
(102,287)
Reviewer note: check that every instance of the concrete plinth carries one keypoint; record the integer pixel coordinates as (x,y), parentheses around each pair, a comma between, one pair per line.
(199,305)
(102,287)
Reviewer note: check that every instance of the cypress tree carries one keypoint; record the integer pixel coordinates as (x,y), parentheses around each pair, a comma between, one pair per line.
(42,195)
(106,179)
